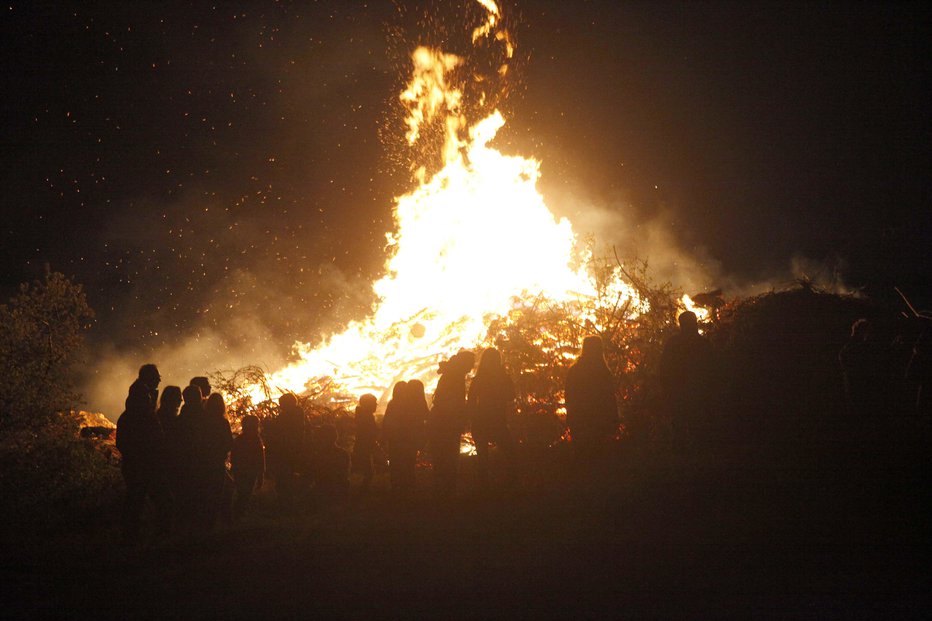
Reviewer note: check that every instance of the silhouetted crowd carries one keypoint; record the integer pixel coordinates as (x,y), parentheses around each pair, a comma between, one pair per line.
(180,453)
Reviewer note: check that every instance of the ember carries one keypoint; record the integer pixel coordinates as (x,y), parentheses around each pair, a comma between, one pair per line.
(471,242)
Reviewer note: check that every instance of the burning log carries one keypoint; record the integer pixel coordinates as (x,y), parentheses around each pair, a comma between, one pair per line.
(710,300)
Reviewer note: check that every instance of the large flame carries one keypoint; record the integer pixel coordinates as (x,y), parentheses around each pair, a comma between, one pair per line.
(468,241)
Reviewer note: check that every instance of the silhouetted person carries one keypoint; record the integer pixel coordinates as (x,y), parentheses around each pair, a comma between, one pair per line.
(185,446)
(919,372)
(857,360)
(901,393)
(203,383)
(403,429)
(686,375)
(247,461)
(141,443)
(216,442)
(491,400)
(287,446)
(144,392)
(447,419)
(332,467)
(864,363)
(868,369)
(591,407)
(389,424)
(169,404)
(367,438)
(394,433)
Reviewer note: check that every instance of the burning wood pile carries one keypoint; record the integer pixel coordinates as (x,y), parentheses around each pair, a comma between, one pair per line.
(539,339)
(455,264)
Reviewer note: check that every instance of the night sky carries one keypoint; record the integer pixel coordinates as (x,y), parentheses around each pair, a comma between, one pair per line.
(224,174)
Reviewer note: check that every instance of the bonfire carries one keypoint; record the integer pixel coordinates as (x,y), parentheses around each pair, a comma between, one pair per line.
(475,249)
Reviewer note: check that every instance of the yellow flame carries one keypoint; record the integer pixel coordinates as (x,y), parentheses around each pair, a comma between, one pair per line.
(491,19)
(428,94)
(702,313)
(468,241)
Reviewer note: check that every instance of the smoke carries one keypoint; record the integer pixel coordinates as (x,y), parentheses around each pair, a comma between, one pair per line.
(266,225)
(663,240)
(621,228)
(273,231)
(826,275)
(239,333)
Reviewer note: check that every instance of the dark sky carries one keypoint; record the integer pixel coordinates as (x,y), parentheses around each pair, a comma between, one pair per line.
(192,164)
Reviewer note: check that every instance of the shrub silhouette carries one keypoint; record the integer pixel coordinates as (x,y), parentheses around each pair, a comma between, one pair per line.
(48,474)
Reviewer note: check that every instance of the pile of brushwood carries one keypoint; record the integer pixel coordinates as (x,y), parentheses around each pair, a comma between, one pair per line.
(320,402)
(840,474)
(782,385)
(778,381)
(540,339)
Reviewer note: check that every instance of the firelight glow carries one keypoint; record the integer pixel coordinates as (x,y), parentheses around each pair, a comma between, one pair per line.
(469,241)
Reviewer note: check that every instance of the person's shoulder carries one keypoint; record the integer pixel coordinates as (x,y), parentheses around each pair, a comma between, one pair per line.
(138,390)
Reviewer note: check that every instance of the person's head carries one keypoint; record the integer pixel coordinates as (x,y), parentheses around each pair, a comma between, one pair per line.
(490,362)
(192,395)
(416,390)
(465,361)
(203,383)
(592,347)
(689,323)
(399,390)
(149,374)
(367,404)
(860,329)
(215,406)
(250,425)
(287,401)
(460,364)
(171,398)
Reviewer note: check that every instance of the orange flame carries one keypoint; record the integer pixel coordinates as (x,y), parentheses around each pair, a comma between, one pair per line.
(468,240)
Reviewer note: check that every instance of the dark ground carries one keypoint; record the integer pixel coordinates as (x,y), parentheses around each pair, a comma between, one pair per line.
(781,533)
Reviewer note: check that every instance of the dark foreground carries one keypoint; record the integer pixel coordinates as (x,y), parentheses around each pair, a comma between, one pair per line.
(797,534)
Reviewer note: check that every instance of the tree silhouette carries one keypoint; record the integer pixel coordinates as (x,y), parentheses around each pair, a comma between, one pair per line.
(41,335)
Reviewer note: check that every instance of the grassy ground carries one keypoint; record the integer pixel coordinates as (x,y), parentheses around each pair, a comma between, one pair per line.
(646,534)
